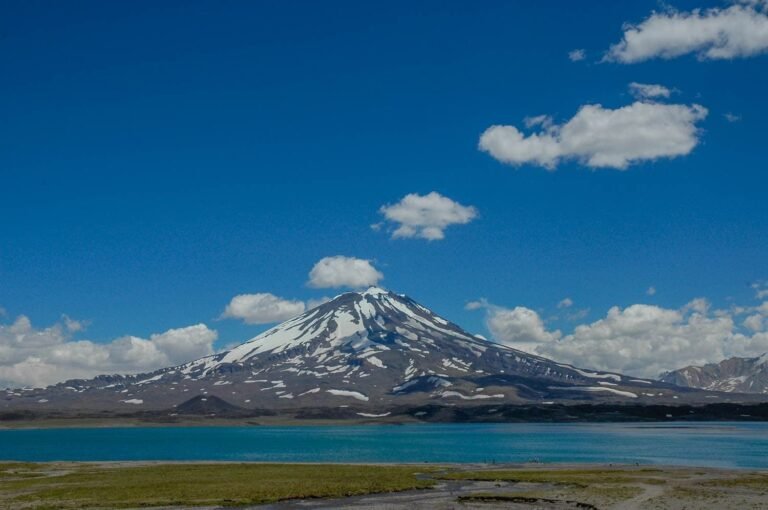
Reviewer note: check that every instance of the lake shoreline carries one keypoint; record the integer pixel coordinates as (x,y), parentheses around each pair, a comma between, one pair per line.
(110,423)
(431,414)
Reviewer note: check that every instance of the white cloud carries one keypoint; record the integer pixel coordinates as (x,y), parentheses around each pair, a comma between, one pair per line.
(266,308)
(426,216)
(518,327)
(476,305)
(700,305)
(577,55)
(758,317)
(641,340)
(38,357)
(565,303)
(731,117)
(738,31)
(651,291)
(127,351)
(648,90)
(262,308)
(645,340)
(340,271)
(601,137)
(754,322)
(180,345)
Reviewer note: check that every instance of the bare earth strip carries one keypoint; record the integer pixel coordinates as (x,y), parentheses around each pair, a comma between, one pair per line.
(573,486)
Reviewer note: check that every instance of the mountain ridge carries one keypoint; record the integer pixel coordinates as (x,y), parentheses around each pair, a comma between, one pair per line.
(736,374)
(373,349)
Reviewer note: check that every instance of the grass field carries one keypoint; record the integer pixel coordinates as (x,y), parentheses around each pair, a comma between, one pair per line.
(69,485)
(43,486)
(560,476)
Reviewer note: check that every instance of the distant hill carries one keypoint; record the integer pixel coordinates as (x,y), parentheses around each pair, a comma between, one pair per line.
(743,375)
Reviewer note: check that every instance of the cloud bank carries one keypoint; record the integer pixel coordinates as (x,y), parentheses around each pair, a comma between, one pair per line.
(32,356)
(642,340)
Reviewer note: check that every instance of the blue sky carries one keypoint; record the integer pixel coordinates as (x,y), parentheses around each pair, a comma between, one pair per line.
(159,158)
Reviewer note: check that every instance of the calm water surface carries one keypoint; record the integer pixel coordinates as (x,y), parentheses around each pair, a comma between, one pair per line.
(743,445)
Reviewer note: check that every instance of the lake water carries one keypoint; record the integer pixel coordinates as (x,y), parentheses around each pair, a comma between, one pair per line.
(743,445)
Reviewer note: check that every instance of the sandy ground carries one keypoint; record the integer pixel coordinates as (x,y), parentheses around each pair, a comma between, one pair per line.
(444,496)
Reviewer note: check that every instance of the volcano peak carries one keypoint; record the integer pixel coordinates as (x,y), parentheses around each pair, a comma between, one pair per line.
(373,349)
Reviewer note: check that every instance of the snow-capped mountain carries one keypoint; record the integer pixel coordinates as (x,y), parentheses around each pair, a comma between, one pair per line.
(373,349)
(742,375)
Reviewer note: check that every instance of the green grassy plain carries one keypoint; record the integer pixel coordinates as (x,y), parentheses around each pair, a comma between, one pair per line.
(560,476)
(49,486)
(114,485)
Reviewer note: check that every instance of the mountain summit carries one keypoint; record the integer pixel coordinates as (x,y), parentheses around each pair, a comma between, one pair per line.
(373,350)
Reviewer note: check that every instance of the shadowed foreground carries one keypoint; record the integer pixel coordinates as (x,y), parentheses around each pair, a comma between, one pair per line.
(294,486)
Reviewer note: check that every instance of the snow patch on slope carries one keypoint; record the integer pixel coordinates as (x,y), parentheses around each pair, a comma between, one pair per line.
(348,393)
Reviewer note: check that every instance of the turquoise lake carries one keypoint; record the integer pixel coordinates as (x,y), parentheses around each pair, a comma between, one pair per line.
(742,445)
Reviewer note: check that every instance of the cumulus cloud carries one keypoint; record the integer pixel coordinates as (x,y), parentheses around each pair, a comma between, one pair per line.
(577,55)
(757,316)
(519,327)
(266,308)
(72,325)
(651,291)
(640,339)
(601,137)
(262,308)
(731,117)
(32,356)
(565,303)
(180,345)
(738,31)
(645,340)
(754,322)
(340,271)
(649,90)
(426,216)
